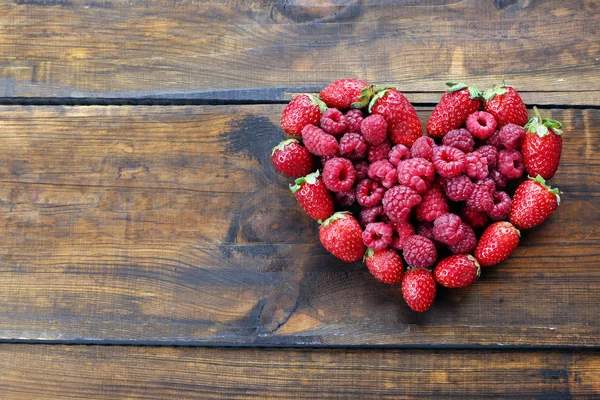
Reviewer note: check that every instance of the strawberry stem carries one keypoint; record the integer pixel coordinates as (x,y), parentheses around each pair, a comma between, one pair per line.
(282,144)
(311,179)
(541,181)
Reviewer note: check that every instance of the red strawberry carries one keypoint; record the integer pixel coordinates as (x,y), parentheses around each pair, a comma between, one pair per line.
(385,265)
(304,109)
(404,126)
(341,235)
(498,241)
(418,289)
(453,109)
(457,271)
(506,105)
(347,93)
(313,196)
(533,203)
(542,146)
(292,159)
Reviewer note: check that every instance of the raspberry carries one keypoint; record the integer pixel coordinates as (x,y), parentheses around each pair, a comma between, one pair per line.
(377,235)
(425,228)
(423,148)
(477,167)
(466,244)
(403,230)
(510,163)
(460,139)
(416,173)
(448,161)
(353,146)
(490,153)
(511,136)
(458,188)
(345,199)
(482,198)
(399,201)
(318,142)
(488,183)
(477,219)
(384,172)
(354,117)
(494,141)
(379,152)
(374,129)
(419,252)
(369,193)
(481,124)
(448,229)
(339,174)
(499,179)
(368,215)
(398,153)
(362,170)
(501,208)
(432,205)
(334,122)
(324,159)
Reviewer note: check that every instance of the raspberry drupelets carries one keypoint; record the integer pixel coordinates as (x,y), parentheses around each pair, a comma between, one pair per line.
(368,215)
(433,204)
(510,163)
(399,201)
(318,142)
(448,229)
(399,153)
(339,174)
(369,193)
(458,188)
(379,152)
(334,122)
(354,117)
(419,252)
(449,161)
(476,166)
(384,172)
(377,235)
(374,129)
(422,147)
(353,146)
(416,173)
(460,139)
(402,231)
(481,124)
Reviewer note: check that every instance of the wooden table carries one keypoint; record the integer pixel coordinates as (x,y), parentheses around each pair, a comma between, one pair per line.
(150,249)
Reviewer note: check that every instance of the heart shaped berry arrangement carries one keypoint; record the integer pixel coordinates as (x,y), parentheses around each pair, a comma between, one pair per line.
(427,198)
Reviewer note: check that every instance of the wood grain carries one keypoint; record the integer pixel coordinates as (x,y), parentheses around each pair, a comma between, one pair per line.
(99,372)
(261,50)
(169,225)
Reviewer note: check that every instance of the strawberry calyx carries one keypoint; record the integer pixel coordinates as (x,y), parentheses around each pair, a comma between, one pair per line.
(311,179)
(334,217)
(282,144)
(474,93)
(541,181)
(474,260)
(316,101)
(495,90)
(379,92)
(368,253)
(365,97)
(541,126)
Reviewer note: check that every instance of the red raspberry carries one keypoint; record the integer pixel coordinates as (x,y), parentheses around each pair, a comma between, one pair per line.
(374,129)
(354,117)
(488,183)
(482,199)
(419,252)
(477,166)
(448,161)
(324,159)
(494,141)
(318,142)
(416,173)
(384,172)
(368,215)
(398,153)
(362,170)
(501,208)
(399,201)
(346,199)
(511,136)
(476,219)
(377,235)
(422,147)
(353,146)
(499,179)
(448,229)
(458,188)
(425,228)
(433,204)
(490,153)
(460,139)
(379,152)
(369,193)
(403,230)
(481,124)
(467,244)
(334,122)
(339,174)
(510,163)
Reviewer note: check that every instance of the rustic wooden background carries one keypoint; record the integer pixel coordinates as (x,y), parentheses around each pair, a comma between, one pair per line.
(150,250)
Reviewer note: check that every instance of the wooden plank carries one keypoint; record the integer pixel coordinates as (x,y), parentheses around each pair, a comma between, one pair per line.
(100,372)
(170,225)
(256,50)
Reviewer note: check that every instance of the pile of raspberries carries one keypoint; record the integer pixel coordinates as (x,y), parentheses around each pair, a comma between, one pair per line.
(409,199)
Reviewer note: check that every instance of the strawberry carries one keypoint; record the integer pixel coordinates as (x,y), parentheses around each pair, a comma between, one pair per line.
(498,241)
(347,93)
(385,265)
(418,289)
(533,203)
(313,196)
(453,109)
(542,146)
(341,235)
(404,126)
(304,109)
(506,105)
(292,159)
(457,271)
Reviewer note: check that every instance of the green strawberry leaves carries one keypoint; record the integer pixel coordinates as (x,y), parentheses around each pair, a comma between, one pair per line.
(491,93)
(334,217)
(365,97)
(539,125)
(538,179)
(318,102)
(311,179)
(281,145)
(474,93)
